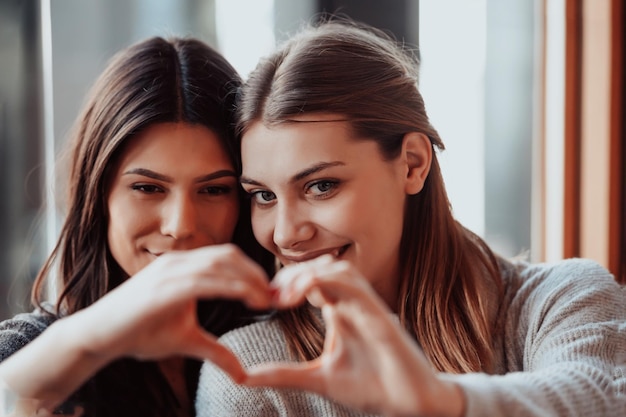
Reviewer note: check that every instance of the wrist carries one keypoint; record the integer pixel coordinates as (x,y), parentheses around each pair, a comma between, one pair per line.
(86,339)
(13,405)
(452,399)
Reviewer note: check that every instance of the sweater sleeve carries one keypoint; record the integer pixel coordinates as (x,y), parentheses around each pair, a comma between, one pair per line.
(16,332)
(219,396)
(565,348)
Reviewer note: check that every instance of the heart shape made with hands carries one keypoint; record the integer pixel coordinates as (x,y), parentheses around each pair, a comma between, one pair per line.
(363,342)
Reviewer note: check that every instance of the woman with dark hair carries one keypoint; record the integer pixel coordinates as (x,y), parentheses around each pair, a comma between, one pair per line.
(154,197)
(400,309)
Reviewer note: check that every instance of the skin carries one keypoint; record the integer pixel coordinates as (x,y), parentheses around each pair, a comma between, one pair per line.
(172,209)
(320,194)
(331,208)
(174,188)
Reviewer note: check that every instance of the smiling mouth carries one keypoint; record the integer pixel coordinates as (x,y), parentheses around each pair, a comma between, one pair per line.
(336,253)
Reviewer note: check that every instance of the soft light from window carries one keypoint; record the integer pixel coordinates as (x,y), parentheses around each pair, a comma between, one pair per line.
(244,37)
(453,49)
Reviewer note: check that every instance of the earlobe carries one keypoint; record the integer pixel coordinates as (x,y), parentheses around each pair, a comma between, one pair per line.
(418,152)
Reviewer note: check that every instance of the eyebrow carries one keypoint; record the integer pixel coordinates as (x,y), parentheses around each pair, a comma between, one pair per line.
(300,175)
(160,177)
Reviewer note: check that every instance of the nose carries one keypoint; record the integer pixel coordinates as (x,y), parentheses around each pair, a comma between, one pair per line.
(292,226)
(179,217)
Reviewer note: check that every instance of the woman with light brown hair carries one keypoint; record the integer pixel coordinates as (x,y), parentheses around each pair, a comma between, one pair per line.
(144,259)
(386,303)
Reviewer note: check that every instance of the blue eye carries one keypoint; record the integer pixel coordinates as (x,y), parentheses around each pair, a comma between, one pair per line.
(262,197)
(322,187)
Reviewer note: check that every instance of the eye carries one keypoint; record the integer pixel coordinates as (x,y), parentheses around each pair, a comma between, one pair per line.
(147,188)
(216,190)
(262,197)
(322,188)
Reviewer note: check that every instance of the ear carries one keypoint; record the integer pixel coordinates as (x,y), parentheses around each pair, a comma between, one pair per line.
(417,152)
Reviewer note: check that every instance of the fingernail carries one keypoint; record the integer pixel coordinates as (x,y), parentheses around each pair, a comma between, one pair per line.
(273,292)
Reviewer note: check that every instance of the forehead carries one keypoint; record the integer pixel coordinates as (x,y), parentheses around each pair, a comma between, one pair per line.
(280,151)
(311,137)
(181,142)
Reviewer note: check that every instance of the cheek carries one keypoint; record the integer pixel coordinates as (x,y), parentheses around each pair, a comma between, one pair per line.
(222,220)
(125,219)
(347,215)
(263,228)
(232,215)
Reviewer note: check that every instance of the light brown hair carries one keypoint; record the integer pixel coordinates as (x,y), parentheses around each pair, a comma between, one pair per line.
(364,75)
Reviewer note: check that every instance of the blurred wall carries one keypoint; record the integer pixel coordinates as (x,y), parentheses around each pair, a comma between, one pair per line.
(21,173)
(509,123)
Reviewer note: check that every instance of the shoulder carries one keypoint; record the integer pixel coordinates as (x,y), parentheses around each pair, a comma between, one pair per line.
(571,307)
(16,332)
(561,283)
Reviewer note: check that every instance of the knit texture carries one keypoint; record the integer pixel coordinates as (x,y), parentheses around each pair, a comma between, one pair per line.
(561,351)
(16,332)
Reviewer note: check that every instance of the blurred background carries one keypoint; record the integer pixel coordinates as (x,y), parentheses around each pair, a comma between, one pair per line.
(484,68)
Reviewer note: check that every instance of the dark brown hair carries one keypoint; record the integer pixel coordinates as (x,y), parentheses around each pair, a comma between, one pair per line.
(153,81)
(365,76)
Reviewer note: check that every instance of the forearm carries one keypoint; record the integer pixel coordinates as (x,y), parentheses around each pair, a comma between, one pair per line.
(551,392)
(53,366)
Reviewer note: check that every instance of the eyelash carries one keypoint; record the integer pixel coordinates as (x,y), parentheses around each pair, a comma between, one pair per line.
(146,188)
(210,190)
(217,190)
(323,194)
(255,195)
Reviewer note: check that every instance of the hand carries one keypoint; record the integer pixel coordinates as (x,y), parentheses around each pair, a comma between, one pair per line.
(153,314)
(368,362)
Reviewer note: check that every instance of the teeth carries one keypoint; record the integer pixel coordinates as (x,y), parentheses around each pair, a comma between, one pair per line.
(338,252)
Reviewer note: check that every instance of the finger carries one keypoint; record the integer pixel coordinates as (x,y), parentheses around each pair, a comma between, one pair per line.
(292,283)
(204,346)
(241,265)
(224,286)
(304,376)
(323,283)
(242,290)
(286,276)
(226,261)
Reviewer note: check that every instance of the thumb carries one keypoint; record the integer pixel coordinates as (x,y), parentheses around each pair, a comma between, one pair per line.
(204,346)
(304,376)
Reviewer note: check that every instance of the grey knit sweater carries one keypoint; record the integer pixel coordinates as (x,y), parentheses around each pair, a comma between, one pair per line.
(561,352)
(16,332)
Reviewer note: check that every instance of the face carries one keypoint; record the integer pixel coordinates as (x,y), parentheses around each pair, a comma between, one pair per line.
(173,188)
(316,189)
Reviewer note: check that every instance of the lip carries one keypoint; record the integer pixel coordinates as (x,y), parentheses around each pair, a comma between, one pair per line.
(307,256)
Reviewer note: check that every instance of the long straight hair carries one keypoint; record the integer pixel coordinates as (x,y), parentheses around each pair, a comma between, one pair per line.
(447,272)
(153,81)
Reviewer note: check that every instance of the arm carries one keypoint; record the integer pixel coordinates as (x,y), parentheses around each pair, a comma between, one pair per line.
(566,333)
(218,395)
(562,362)
(151,316)
(368,361)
